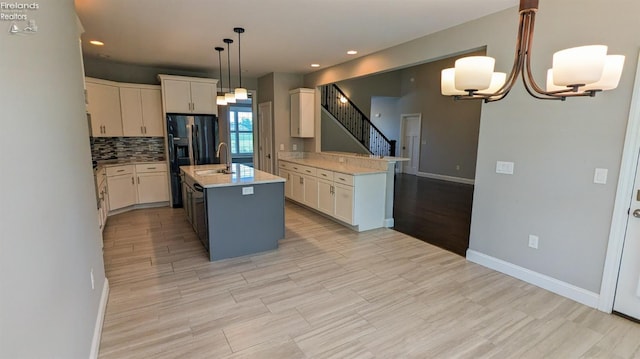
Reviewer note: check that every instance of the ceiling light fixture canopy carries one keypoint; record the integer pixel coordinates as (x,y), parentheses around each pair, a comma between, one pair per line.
(578,71)
(230,97)
(220,97)
(240,92)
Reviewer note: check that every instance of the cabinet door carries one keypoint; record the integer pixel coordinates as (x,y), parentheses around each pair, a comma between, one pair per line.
(344,203)
(326,199)
(152,119)
(152,187)
(177,96)
(131,106)
(203,97)
(297,187)
(310,191)
(122,191)
(287,185)
(104,107)
(302,113)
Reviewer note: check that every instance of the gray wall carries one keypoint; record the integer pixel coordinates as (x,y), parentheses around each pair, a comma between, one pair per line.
(449,133)
(555,145)
(141,74)
(336,137)
(49,237)
(361,90)
(389,121)
(275,87)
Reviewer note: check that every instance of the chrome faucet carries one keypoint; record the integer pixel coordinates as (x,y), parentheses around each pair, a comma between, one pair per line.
(228,154)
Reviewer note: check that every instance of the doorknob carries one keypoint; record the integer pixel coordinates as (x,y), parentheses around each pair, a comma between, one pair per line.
(636,213)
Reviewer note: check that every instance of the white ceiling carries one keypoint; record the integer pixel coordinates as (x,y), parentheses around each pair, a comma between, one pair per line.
(281,35)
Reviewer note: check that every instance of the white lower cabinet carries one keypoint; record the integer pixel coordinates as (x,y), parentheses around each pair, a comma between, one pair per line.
(287,185)
(128,185)
(152,183)
(122,188)
(357,200)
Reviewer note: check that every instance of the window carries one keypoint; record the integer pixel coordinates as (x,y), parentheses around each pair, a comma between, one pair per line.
(241,131)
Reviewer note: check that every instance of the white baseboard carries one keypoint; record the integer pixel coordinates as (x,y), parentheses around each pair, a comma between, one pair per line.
(388,222)
(97,331)
(447,178)
(564,289)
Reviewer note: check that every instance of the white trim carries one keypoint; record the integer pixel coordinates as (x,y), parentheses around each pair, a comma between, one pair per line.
(389,222)
(621,205)
(564,289)
(447,178)
(97,331)
(403,121)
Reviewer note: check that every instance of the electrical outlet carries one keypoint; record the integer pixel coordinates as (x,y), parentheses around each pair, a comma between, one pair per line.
(93,282)
(341,159)
(295,147)
(533,241)
(457,167)
(282,147)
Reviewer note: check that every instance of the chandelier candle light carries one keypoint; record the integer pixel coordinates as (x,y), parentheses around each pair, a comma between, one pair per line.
(578,71)
(240,92)
(220,96)
(230,97)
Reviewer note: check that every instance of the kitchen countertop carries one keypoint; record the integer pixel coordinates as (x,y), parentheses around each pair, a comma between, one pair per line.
(334,166)
(242,175)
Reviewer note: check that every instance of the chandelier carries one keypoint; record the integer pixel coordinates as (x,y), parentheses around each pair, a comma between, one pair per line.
(576,72)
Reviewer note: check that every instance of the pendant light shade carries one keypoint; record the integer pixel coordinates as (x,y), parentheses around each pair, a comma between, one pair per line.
(220,99)
(230,97)
(579,71)
(240,92)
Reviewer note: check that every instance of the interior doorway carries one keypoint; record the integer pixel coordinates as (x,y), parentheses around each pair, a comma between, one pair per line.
(265,135)
(627,298)
(411,125)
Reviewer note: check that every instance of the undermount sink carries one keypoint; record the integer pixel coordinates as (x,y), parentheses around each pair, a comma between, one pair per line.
(221,171)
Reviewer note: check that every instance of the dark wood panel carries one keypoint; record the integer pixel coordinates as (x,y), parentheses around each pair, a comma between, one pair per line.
(434,211)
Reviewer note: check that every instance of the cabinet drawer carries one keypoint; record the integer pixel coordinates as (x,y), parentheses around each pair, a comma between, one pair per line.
(151,167)
(120,170)
(324,174)
(343,178)
(285,165)
(311,171)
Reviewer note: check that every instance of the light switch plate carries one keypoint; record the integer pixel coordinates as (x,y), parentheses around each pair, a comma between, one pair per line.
(600,176)
(504,167)
(282,147)
(295,147)
(247,190)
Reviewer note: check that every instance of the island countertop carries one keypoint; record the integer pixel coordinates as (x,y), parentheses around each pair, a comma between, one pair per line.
(242,175)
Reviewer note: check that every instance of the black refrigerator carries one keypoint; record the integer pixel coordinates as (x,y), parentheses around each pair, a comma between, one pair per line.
(191,140)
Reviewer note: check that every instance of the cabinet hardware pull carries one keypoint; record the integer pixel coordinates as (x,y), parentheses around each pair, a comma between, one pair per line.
(301,180)
(132,181)
(141,129)
(120,171)
(145,130)
(342,179)
(138,180)
(151,168)
(324,175)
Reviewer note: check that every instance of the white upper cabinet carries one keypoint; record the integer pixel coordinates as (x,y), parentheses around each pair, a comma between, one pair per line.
(103,104)
(141,111)
(189,95)
(302,112)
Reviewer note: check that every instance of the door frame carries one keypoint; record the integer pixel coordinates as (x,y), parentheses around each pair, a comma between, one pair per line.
(621,206)
(403,118)
(269,108)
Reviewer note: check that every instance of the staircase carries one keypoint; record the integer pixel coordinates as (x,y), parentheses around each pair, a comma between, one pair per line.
(356,122)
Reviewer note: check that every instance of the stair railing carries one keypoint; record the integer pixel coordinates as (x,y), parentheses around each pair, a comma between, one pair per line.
(356,122)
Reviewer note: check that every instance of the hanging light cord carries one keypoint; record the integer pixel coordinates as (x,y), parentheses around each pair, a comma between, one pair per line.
(228,41)
(220,49)
(239,30)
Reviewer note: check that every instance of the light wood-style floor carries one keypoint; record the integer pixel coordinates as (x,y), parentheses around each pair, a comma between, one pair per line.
(328,292)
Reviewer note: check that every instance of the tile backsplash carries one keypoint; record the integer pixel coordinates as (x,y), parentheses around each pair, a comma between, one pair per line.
(127,148)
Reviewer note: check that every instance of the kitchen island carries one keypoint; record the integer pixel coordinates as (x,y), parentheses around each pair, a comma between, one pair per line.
(234,214)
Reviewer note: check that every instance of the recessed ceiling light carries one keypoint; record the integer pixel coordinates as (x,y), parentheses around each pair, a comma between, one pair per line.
(352,52)
(96,42)
(315,65)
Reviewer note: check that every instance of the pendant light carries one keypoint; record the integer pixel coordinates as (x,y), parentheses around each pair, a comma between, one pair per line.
(220,98)
(240,92)
(229,96)
(576,72)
